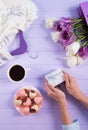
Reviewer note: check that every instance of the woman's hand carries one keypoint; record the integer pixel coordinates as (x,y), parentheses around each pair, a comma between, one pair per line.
(57,94)
(72,85)
(73,89)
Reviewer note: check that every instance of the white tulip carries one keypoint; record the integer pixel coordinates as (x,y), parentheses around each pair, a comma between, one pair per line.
(72,61)
(79,60)
(55,36)
(50,22)
(72,49)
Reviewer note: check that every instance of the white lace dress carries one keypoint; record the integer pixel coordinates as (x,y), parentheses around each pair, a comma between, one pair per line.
(15,15)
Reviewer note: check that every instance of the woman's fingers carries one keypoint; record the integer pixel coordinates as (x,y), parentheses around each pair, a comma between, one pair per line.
(70,77)
(45,81)
(49,90)
(67,79)
(50,86)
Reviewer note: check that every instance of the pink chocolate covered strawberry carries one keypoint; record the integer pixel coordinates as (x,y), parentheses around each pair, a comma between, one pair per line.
(24,110)
(21,93)
(28,102)
(38,100)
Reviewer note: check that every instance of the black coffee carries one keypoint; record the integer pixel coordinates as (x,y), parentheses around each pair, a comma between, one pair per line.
(17,73)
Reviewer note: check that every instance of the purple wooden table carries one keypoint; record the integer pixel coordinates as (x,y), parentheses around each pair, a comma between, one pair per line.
(48,59)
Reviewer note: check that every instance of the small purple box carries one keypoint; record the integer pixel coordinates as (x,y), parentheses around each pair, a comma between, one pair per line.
(83,11)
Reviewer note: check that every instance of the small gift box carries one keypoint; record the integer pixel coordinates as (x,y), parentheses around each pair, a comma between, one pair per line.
(83,11)
(55,78)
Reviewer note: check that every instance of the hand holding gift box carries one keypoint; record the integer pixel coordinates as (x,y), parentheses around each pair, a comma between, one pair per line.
(55,78)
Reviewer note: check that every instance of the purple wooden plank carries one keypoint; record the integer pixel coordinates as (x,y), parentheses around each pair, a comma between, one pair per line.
(37,31)
(51,13)
(47,105)
(7,87)
(52,117)
(77,72)
(36,127)
(43,44)
(54,5)
(32,127)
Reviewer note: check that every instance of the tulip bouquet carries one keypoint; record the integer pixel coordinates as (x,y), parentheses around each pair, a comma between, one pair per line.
(72,34)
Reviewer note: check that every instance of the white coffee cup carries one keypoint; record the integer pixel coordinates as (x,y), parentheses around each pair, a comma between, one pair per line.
(17,73)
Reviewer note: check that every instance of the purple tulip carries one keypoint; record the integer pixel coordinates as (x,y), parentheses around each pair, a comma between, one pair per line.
(83,52)
(66,20)
(64,23)
(66,38)
(57,26)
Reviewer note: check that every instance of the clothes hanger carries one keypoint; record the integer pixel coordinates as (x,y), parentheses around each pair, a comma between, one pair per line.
(23,45)
(20,50)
